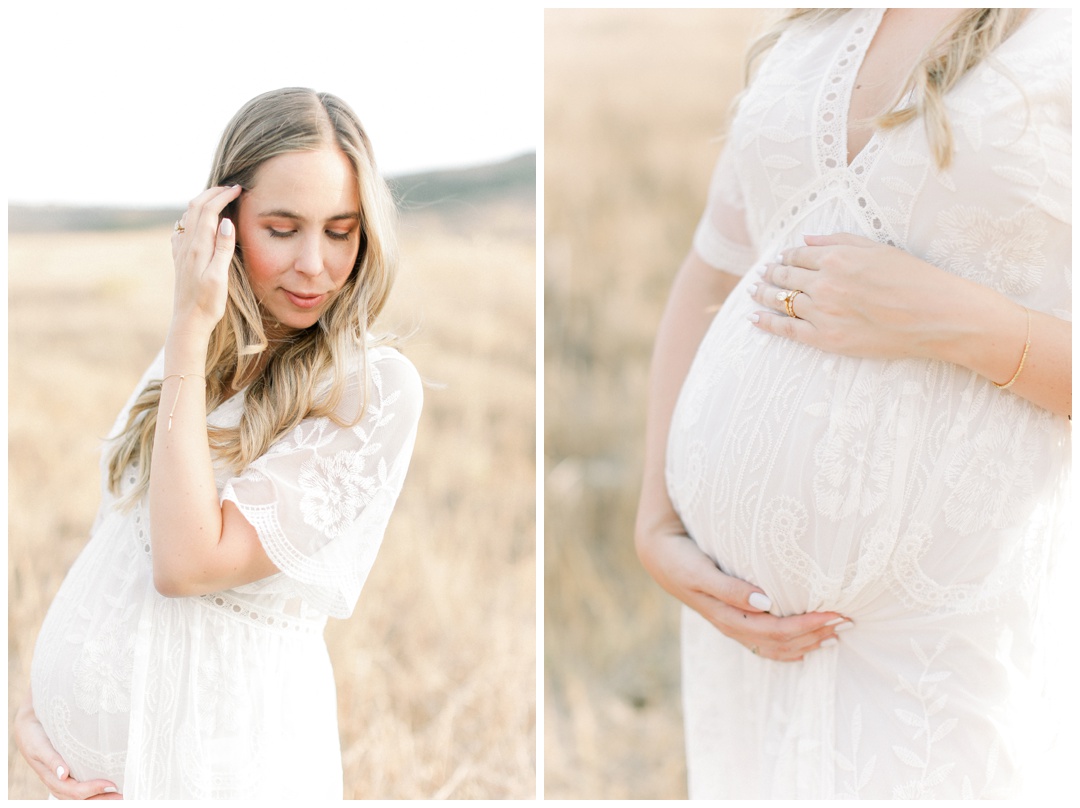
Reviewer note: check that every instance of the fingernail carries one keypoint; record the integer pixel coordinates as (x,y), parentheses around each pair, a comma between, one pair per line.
(829,643)
(112,789)
(60,772)
(752,289)
(836,620)
(226,228)
(753,318)
(844,626)
(761,270)
(760,601)
(779,258)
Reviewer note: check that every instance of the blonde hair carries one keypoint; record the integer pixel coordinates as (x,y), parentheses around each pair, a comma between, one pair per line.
(966,42)
(290,385)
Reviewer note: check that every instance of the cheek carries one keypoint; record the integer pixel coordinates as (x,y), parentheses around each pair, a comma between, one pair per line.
(341,267)
(259,263)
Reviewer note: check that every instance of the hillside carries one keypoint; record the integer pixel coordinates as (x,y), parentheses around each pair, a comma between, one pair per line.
(447,191)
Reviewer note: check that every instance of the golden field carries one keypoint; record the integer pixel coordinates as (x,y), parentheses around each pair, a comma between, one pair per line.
(635,101)
(436,670)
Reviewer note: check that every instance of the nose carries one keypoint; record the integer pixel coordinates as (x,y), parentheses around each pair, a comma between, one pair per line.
(309,260)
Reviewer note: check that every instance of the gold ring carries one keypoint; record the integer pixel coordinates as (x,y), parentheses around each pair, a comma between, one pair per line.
(789,302)
(178,228)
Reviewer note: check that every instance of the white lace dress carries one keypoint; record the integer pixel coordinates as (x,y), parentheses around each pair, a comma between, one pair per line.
(229,695)
(910,495)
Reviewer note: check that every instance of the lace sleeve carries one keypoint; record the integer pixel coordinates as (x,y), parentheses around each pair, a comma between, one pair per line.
(321,497)
(721,238)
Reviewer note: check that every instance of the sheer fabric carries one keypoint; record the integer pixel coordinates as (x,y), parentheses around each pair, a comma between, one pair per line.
(229,695)
(911,495)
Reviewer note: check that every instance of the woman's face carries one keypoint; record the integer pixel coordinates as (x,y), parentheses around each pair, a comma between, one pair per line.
(299,231)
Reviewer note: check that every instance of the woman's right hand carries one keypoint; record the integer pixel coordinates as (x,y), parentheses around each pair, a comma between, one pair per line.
(738,609)
(202,251)
(49,766)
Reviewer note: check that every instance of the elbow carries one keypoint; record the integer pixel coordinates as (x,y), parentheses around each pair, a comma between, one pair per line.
(171,585)
(643,543)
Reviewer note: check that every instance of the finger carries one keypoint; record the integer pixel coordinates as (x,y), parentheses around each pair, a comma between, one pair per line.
(788,639)
(56,776)
(775,297)
(819,247)
(190,215)
(224,246)
(204,210)
(831,239)
(798,328)
(736,593)
(99,790)
(785,276)
(67,787)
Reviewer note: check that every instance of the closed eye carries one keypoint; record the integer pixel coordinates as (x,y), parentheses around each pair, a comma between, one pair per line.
(339,236)
(280,233)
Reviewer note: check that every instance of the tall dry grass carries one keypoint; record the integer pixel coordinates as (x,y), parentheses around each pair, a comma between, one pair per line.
(634,103)
(436,670)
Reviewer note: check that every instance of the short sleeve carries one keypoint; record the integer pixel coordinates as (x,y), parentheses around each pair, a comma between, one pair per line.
(721,238)
(321,497)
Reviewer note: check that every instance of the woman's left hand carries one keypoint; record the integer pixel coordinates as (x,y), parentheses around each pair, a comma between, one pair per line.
(858,298)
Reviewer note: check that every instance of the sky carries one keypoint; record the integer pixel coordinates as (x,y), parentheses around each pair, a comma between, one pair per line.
(122,103)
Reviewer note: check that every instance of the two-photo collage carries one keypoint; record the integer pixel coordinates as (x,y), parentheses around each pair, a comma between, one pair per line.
(528,403)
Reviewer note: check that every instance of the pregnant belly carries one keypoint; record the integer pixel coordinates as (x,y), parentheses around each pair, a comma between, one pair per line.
(881,487)
(82,666)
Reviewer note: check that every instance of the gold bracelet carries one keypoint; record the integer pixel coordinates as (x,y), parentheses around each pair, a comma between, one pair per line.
(181,377)
(1023,356)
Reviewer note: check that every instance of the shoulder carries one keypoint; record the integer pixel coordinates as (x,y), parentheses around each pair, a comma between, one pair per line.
(393,378)
(1041,47)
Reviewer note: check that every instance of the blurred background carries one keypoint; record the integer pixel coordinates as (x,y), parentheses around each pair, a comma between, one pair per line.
(127,99)
(635,102)
(436,670)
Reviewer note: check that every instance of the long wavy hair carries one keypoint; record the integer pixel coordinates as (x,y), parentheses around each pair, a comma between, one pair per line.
(969,40)
(306,374)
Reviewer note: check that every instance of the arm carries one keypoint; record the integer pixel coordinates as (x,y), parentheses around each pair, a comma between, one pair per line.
(666,552)
(38,751)
(865,299)
(199,546)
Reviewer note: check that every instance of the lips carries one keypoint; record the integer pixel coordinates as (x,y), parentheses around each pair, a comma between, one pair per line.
(304,301)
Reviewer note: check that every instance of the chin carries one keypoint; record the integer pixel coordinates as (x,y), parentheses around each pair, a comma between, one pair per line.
(273,324)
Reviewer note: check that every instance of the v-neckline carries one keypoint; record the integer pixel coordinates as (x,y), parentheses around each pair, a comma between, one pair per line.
(834,111)
(867,36)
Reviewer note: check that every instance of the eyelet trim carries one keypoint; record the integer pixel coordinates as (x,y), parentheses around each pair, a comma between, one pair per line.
(275,621)
(832,114)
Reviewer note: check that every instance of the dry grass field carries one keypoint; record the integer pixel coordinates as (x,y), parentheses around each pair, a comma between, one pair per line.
(437,669)
(634,103)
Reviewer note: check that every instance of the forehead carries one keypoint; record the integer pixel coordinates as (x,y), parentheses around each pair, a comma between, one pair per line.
(315,184)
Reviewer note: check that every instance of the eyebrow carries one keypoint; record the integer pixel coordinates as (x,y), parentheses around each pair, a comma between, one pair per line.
(288,214)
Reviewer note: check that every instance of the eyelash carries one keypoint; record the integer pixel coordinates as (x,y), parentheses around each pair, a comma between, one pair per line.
(287,233)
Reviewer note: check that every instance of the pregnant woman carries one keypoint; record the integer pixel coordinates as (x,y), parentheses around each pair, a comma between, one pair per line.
(245,491)
(858,437)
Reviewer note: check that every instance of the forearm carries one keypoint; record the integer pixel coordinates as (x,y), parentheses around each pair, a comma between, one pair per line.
(185,513)
(987,334)
(697,292)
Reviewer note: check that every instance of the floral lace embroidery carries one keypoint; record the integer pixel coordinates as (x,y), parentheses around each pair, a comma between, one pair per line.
(931,722)
(1005,253)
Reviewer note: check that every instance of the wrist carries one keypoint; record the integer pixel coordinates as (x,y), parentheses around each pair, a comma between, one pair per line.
(185,350)
(978,330)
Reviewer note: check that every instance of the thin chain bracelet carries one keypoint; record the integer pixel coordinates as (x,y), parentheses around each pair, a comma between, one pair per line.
(1023,356)
(181,377)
